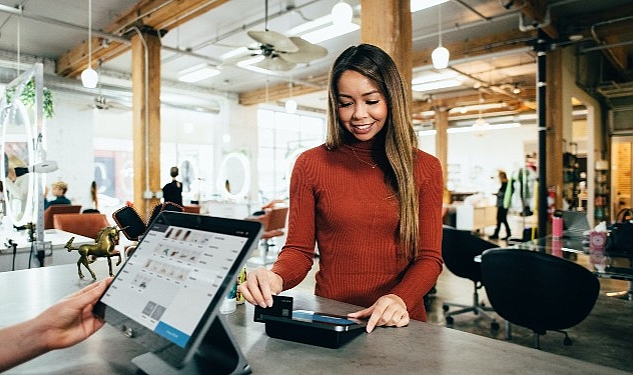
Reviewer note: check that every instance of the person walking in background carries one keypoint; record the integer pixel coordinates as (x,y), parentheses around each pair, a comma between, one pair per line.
(502,207)
(368,197)
(172,192)
(59,192)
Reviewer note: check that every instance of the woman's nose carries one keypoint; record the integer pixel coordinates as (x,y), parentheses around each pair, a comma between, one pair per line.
(359,111)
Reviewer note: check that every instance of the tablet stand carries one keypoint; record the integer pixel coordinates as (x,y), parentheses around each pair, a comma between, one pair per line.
(218,354)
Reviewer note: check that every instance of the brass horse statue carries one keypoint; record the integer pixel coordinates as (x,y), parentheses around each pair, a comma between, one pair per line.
(107,238)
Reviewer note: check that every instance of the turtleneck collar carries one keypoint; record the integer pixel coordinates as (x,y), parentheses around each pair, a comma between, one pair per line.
(369,145)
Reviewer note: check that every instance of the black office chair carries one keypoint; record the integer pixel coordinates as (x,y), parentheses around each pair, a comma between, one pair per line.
(538,291)
(459,249)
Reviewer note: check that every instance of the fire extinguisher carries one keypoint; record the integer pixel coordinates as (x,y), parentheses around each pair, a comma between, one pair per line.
(551,202)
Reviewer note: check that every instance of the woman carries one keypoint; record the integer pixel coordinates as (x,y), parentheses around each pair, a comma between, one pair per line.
(502,207)
(369,199)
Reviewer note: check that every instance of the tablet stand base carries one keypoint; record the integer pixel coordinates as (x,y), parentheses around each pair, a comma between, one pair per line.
(218,354)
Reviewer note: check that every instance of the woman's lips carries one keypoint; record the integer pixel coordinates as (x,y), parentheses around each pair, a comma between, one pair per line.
(364,128)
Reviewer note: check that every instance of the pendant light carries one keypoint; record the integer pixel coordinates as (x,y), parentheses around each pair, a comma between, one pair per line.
(440,54)
(291,104)
(480,123)
(342,13)
(89,77)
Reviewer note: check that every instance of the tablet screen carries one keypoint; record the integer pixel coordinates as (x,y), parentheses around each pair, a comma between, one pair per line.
(172,284)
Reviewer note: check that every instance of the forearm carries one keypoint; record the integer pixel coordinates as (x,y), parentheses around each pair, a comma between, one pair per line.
(20,343)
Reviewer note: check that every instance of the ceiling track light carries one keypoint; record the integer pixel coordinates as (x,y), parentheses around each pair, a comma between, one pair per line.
(89,77)
(440,55)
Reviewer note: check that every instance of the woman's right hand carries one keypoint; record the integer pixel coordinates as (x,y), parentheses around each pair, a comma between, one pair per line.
(260,286)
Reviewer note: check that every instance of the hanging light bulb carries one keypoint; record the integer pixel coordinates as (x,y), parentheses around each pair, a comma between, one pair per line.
(440,55)
(480,123)
(89,77)
(291,104)
(342,13)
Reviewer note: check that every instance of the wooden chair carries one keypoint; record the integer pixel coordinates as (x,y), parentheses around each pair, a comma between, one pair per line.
(274,221)
(87,225)
(56,209)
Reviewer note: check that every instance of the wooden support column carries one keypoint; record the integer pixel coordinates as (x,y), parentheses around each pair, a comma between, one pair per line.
(146,119)
(387,24)
(555,125)
(441,137)
(441,141)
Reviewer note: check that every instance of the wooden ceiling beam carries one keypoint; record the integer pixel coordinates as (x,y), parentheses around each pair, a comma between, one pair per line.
(161,15)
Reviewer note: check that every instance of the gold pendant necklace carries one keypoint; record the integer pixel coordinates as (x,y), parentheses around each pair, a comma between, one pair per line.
(373,165)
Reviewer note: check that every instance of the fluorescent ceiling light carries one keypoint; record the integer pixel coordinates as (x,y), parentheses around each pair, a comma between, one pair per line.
(437,85)
(197,73)
(434,76)
(477,107)
(234,52)
(249,64)
(329,32)
(418,5)
(466,129)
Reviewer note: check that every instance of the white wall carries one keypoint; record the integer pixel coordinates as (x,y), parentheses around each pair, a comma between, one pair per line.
(475,159)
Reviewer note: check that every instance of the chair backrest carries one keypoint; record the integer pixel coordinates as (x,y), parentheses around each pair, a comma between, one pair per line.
(459,249)
(276,218)
(87,225)
(58,209)
(538,290)
(194,209)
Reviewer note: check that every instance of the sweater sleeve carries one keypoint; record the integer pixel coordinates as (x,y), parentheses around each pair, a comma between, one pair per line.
(423,272)
(297,255)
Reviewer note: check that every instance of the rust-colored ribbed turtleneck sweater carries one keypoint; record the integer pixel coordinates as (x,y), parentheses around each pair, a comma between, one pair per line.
(340,199)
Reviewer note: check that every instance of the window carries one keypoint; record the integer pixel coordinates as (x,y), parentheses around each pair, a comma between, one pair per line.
(281,138)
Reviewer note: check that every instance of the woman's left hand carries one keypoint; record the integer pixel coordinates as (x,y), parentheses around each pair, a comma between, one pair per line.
(389,310)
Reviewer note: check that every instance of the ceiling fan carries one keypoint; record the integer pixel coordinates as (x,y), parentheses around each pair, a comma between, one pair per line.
(281,52)
(100,102)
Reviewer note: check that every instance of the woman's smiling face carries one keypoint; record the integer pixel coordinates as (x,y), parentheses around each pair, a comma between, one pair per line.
(362,108)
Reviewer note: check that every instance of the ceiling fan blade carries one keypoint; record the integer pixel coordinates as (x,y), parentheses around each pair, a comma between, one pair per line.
(279,42)
(275,64)
(307,52)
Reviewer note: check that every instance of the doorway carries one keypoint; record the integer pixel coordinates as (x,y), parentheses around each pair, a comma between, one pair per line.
(621,162)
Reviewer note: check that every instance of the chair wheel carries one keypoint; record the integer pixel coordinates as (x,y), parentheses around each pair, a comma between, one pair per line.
(449,320)
(494,326)
(445,308)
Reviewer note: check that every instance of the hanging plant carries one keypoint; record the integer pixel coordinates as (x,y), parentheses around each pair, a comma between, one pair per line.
(28,97)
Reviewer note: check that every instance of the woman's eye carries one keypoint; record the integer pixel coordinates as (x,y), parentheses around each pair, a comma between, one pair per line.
(372,102)
(345,104)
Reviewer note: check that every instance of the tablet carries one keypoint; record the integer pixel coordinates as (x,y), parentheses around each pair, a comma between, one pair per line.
(167,294)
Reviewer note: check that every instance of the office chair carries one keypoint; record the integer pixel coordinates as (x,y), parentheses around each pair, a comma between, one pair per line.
(538,291)
(459,249)
(274,221)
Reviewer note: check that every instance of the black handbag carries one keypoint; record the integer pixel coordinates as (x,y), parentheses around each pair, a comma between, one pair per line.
(620,238)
